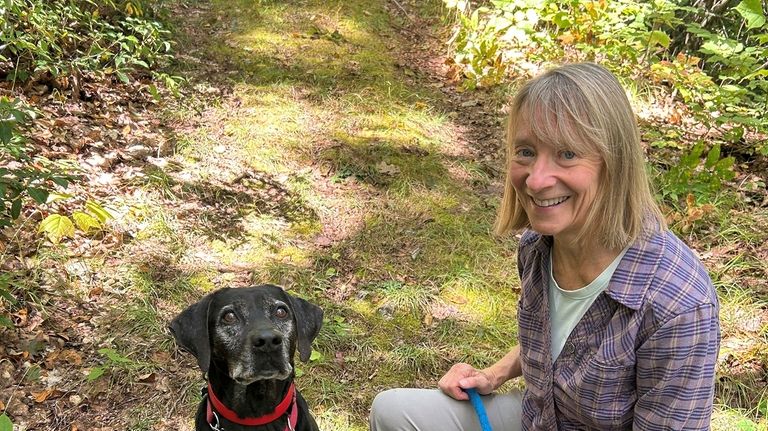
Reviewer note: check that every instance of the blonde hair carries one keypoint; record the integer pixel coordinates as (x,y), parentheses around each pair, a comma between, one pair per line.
(583,107)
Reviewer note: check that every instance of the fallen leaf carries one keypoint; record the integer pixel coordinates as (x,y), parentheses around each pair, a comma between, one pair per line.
(22,316)
(72,357)
(42,396)
(148,378)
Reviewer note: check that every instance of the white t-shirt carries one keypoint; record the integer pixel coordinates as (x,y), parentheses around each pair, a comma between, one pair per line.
(567,307)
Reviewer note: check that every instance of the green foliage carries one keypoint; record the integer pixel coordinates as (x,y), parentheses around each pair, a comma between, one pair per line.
(702,178)
(69,37)
(92,218)
(7,295)
(113,361)
(21,176)
(717,66)
(477,49)
(405,296)
(5,423)
(315,358)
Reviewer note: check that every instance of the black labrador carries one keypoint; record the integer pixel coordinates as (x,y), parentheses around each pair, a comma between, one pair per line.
(244,339)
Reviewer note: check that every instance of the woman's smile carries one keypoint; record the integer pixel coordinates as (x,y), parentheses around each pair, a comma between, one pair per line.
(547,203)
(556,186)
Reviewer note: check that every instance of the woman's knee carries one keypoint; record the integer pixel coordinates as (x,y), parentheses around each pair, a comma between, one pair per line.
(385,411)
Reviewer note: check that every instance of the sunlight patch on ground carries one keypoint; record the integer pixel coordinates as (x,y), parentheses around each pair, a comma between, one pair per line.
(268,239)
(337,419)
(473,298)
(726,419)
(412,128)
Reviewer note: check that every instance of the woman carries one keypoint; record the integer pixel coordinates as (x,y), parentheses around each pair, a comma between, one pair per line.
(618,320)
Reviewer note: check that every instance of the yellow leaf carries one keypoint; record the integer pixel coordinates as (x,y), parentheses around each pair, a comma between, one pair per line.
(56,227)
(86,222)
(72,357)
(566,38)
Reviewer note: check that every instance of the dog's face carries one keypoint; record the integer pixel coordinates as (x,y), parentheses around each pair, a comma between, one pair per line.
(253,331)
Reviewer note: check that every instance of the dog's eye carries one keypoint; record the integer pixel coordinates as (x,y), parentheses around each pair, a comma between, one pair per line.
(229,317)
(281,312)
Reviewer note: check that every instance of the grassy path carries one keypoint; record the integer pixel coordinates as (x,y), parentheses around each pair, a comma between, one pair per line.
(322,151)
(322,147)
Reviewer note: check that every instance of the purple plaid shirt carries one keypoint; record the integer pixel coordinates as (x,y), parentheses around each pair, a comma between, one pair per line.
(642,357)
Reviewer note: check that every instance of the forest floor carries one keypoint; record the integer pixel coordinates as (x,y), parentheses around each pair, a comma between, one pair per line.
(325,146)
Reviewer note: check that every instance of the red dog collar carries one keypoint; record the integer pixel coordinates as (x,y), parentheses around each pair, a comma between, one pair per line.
(216,406)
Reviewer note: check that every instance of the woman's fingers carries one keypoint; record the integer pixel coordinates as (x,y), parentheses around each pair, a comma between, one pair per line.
(479,380)
(450,383)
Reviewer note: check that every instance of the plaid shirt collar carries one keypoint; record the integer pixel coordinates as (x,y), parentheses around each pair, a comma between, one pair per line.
(635,273)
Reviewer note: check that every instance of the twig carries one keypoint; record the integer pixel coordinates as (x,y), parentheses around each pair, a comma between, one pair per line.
(402,9)
(13,392)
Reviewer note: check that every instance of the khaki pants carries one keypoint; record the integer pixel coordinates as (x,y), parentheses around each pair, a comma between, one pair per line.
(431,410)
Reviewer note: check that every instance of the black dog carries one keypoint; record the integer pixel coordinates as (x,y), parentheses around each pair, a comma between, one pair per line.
(245,339)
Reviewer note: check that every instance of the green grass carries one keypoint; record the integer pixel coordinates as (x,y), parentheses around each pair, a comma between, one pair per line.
(728,419)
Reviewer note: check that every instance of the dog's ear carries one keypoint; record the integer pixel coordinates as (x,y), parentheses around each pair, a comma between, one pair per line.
(309,319)
(190,329)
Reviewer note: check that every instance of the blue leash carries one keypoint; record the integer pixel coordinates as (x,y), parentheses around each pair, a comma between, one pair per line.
(477,403)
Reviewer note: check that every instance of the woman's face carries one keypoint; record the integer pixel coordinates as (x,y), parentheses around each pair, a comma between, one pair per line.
(556,187)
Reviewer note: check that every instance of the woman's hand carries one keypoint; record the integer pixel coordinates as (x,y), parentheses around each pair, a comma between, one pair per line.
(464,376)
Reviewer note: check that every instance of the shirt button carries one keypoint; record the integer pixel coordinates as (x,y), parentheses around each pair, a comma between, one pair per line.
(570,349)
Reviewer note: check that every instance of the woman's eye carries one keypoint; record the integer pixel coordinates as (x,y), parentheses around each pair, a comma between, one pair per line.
(281,312)
(568,155)
(229,317)
(524,152)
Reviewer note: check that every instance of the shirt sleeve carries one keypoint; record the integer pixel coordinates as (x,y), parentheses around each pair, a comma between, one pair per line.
(676,372)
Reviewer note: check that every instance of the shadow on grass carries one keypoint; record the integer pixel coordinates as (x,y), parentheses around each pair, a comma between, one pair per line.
(218,209)
(423,225)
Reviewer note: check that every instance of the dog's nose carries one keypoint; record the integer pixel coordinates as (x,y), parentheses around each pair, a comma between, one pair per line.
(266,340)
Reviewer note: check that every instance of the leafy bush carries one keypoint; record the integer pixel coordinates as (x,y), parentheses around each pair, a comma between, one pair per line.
(702,178)
(477,49)
(21,176)
(44,39)
(717,66)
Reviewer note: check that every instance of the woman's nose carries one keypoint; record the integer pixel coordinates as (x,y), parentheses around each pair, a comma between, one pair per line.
(540,175)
